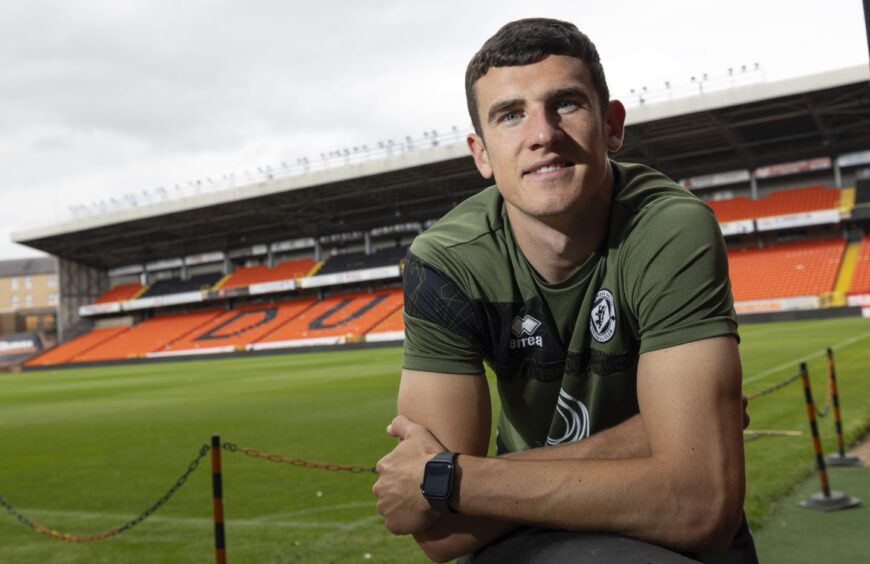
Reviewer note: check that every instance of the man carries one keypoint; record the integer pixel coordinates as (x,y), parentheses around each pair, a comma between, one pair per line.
(598,293)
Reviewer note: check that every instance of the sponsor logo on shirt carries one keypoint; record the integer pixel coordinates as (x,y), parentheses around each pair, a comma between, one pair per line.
(523,329)
(602,320)
(573,419)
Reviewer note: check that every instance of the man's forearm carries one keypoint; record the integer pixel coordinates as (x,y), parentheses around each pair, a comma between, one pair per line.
(454,535)
(625,440)
(652,498)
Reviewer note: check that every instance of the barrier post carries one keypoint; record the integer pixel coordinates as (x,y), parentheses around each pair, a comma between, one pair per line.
(220,553)
(840,458)
(825,500)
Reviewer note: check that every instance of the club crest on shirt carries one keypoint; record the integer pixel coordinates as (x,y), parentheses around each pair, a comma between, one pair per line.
(602,319)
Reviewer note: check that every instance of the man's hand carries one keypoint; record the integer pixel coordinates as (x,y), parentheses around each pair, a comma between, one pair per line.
(400,500)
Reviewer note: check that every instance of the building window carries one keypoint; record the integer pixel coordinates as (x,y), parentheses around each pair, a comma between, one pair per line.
(52,281)
(28,283)
(52,298)
(28,300)
(15,300)
(14,282)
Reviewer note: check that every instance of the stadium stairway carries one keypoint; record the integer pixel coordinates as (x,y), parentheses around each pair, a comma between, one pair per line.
(837,298)
(847,200)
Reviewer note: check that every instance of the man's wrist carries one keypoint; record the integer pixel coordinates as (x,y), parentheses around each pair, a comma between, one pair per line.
(453,502)
(439,481)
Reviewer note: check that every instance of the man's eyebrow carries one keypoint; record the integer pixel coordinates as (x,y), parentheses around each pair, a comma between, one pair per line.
(499,107)
(568,92)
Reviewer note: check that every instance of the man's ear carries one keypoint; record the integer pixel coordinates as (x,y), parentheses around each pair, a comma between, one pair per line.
(615,125)
(478,151)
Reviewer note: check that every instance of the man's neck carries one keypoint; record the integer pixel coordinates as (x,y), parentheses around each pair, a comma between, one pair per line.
(556,246)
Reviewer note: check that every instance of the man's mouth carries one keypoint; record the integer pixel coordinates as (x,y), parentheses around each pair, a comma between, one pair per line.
(550,167)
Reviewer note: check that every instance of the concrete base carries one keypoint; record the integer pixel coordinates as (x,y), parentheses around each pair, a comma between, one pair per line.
(838,500)
(845,460)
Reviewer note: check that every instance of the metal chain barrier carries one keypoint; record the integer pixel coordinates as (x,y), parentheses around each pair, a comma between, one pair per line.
(774,388)
(253,453)
(828,394)
(43,530)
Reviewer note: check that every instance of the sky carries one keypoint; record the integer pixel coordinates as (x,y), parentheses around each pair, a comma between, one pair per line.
(102,98)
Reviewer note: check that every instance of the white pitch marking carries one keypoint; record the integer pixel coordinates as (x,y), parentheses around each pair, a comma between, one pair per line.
(785,365)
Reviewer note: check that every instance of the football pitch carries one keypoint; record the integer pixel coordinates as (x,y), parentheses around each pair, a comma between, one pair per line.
(85,450)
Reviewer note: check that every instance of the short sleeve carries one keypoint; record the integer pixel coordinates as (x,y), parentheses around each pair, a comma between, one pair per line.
(441,327)
(677,276)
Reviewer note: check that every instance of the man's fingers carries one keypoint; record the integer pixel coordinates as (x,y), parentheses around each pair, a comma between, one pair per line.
(400,427)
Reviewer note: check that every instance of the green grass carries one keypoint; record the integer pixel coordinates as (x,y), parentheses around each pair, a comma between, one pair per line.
(84,450)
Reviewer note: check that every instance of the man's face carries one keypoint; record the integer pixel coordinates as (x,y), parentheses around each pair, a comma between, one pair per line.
(544,137)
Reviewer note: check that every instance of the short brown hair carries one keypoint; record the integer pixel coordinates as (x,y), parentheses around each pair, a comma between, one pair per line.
(528,41)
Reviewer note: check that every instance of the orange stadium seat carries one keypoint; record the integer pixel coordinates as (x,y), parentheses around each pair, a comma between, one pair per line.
(241,326)
(804,268)
(150,336)
(786,202)
(347,314)
(861,276)
(71,350)
(293,268)
(394,322)
(286,270)
(733,209)
(120,293)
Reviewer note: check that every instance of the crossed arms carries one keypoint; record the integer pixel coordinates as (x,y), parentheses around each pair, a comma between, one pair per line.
(673,475)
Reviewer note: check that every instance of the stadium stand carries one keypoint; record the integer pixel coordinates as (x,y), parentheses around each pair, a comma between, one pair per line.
(241,326)
(860,283)
(177,286)
(120,293)
(152,335)
(347,314)
(802,268)
(786,202)
(286,270)
(71,350)
(394,322)
(358,261)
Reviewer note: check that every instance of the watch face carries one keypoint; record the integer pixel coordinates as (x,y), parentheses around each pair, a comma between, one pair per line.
(438,479)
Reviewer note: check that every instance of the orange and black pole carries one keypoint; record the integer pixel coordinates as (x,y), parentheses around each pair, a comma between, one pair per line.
(835,398)
(220,552)
(814,429)
(825,500)
(840,458)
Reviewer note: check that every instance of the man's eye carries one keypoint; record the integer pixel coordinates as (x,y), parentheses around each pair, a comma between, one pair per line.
(565,106)
(510,116)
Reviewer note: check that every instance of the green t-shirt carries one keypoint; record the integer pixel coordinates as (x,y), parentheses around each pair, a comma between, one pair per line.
(566,355)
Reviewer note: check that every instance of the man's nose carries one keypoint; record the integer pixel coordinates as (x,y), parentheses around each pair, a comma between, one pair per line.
(543,128)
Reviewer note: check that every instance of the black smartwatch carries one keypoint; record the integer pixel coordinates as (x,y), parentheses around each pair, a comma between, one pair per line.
(438,479)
